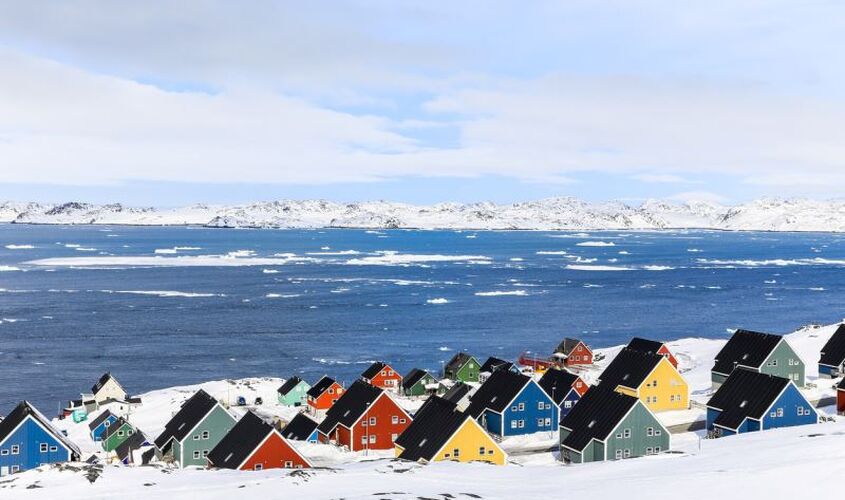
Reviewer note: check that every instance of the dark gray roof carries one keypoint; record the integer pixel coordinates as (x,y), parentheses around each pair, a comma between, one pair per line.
(135,442)
(457,392)
(595,416)
(745,394)
(289,385)
(493,364)
(745,348)
(434,423)
(25,409)
(413,376)
(240,442)
(320,387)
(567,345)
(497,392)
(349,408)
(99,420)
(833,352)
(300,428)
(191,413)
(374,369)
(644,345)
(629,368)
(458,361)
(557,383)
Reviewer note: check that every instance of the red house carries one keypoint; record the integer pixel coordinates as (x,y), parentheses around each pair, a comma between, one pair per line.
(840,397)
(364,418)
(653,347)
(322,395)
(573,352)
(380,374)
(253,444)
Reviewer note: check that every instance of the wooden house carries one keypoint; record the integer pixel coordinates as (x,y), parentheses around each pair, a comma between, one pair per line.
(98,426)
(294,392)
(573,352)
(649,377)
(108,388)
(420,383)
(653,347)
(441,432)
(832,356)
(116,434)
(840,397)
(195,430)
(301,428)
(759,352)
(131,450)
(565,388)
(364,418)
(383,376)
(322,395)
(511,404)
(462,368)
(609,425)
(460,394)
(253,444)
(492,364)
(751,401)
(28,439)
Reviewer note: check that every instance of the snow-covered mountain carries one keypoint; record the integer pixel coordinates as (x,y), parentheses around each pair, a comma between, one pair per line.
(546,214)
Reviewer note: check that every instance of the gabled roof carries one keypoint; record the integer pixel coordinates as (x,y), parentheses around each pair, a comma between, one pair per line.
(300,428)
(351,405)
(413,376)
(745,394)
(99,420)
(644,345)
(457,392)
(497,392)
(191,413)
(833,352)
(321,386)
(23,410)
(458,361)
(567,345)
(435,422)
(745,348)
(135,441)
(493,364)
(240,442)
(629,368)
(100,383)
(595,416)
(374,369)
(289,385)
(557,383)
(120,422)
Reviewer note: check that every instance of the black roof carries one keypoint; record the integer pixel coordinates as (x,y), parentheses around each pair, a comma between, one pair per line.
(99,420)
(629,368)
(557,383)
(457,361)
(374,369)
(351,405)
(413,376)
(299,428)
(135,441)
(457,392)
(497,392)
(833,352)
(595,416)
(191,413)
(433,425)
(745,394)
(841,384)
(493,364)
(240,442)
(745,348)
(120,422)
(644,345)
(320,387)
(100,383)
(289,385)
(25,409)
(567,344)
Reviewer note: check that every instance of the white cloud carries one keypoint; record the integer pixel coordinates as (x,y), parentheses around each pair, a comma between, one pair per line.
(660,178)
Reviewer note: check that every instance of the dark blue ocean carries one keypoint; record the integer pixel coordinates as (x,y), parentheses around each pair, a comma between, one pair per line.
(319,308)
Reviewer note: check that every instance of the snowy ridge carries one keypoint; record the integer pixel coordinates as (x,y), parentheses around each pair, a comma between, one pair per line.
(546,214)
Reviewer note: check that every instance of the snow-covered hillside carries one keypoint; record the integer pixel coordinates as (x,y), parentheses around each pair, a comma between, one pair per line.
(547,214)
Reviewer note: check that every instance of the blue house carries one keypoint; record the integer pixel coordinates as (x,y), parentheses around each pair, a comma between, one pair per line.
(99,425)
(751,401)
(27,440)
(511,404)
(563,387)
(832,355)
(301,428)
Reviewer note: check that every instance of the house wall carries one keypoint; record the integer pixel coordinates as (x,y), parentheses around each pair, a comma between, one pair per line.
(327,399)
(387,379)
(784,411)
(580,355)
(469,441)
(384,431)
(580,386)
(665,389)
(110,390)
(711,417)
(840,401)
(569,402)
(28,437)
(418,389)
(491,421)
(218,423)
(275,453)
(665,352)
(469,372)
(717,379)
(115,439)
(97,433)
(525,421)
(297,396)
(788,364)
(638,421)
(828,371)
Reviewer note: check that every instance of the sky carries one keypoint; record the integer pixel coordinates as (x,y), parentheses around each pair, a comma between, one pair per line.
(167,103)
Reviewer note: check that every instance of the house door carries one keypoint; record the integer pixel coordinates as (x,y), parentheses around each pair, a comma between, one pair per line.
(4,470)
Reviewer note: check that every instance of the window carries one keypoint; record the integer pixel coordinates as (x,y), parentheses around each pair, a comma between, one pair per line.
(364,423)
(129,432)
(579,348)
(567,404)
(626,453)
(393,437)
(618,454)
(372,420)
(196,454)
(54,449)
(447,455)
(456,453)
(119,433)
(43,447)
(773,414)
(657,449)
(490,451)
(773,362)
(363,439)
(780,412)
(196,437)
(618,435)
(540,405)
(548,422)
(540,422)
(288,464)
(204,453)
(402,420)
(107,423)
(649,431)
(394,419)
(626,433)
(258,467)
(649,450)
(578,384)
(481,450)
(521,424)
(513,408)
(513,424)
(4,452)
(16,449)
(521,406)
(657,432)
(205,434)
(15,468)
(654,384)
(331,391)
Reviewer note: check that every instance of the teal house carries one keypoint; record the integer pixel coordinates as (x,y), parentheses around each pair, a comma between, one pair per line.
(608,425)
(294,392)
(195,430)
(759,352)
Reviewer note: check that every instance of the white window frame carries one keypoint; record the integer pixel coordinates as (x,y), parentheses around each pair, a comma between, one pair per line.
(197,454)
(43,448)
(205,435)
(16,449)
(394,419)
(626,433)
(258,467)
(372,439)
(618,455)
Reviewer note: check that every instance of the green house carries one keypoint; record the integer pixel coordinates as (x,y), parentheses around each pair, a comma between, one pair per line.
(420,383)
(759,352)
(294,392)
(195,430)
(116,434)
(608,425)
(462,368)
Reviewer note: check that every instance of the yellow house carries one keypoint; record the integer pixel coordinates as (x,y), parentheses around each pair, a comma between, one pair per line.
(441,432)
(650,377)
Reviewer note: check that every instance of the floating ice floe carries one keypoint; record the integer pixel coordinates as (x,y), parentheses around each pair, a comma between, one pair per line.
(499,293)
(9,268)
(393,258)
(165,293)
(552,252)
(581,267)
(438,300)
(19,247)
(281,296)
(596,244)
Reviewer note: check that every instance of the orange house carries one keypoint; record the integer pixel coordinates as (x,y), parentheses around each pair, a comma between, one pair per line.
(380,374)
(323,395)
(654,347)
(573,352)
(253,444)
(364,418)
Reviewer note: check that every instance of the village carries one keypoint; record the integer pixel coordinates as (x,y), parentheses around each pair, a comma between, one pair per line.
(576,405)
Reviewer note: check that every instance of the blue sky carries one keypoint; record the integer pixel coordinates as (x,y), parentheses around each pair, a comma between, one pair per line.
(157,103)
